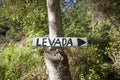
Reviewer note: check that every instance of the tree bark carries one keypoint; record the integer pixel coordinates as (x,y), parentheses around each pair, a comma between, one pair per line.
(55,59)
(97,14)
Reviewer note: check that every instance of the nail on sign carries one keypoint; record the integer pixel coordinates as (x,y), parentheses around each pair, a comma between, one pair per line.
(60,41)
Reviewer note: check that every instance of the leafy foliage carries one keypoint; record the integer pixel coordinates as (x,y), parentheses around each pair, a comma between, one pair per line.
(77,20)
(109,8)
(18,62)
(93,62)
(20,21)
(24,17)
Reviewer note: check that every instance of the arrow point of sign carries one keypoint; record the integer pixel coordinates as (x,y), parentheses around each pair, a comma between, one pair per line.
(80,42)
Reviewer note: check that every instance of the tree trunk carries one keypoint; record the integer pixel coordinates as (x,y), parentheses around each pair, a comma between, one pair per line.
(97,14)
(55,59)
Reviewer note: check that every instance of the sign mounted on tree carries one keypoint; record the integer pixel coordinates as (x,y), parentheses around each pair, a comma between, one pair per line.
(60,41)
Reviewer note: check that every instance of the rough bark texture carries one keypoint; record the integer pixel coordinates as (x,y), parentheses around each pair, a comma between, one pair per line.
(57,65)
(54,16)
(55,59)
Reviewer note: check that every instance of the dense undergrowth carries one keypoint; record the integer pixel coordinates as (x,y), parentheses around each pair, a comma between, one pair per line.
(98,61)
(19,60)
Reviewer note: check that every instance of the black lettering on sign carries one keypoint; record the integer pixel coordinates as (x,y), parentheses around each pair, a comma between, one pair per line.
(57,42)
(44,41)
(37,42)
(64,41)
(51,42)
(69,42)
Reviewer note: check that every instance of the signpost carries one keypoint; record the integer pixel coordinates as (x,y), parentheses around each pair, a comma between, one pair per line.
(59,41)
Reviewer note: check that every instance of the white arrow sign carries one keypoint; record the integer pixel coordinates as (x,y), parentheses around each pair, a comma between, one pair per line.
(59,41)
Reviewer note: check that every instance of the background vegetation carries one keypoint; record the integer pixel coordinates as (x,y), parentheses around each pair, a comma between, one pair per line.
(98,20)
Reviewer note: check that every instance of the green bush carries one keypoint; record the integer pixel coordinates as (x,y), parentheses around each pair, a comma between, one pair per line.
(18,60)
